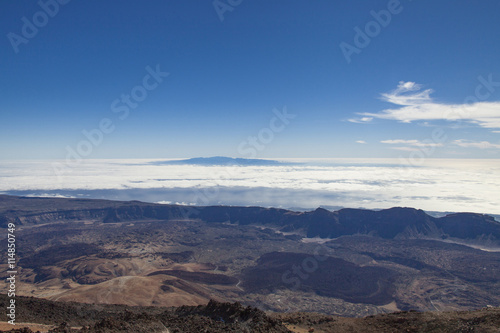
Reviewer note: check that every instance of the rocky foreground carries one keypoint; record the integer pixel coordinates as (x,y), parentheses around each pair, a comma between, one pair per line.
(232,317)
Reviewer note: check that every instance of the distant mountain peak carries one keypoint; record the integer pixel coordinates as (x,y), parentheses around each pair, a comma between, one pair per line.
(222,160)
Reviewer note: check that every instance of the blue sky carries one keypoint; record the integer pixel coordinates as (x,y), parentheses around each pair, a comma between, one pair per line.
(418,88)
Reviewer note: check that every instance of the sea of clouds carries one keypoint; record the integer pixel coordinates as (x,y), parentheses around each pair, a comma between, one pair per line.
(445,185)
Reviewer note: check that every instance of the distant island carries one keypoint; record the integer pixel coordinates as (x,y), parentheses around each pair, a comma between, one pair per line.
(222,160)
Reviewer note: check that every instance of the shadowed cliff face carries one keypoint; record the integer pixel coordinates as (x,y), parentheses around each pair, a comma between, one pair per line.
(401,223)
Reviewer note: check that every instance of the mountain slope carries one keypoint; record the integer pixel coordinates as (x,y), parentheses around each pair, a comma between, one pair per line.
(226,317)
(106,252)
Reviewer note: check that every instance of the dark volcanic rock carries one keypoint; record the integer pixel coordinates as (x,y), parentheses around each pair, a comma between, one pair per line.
(233,317)
(402,223)
(325,276)
(214,317)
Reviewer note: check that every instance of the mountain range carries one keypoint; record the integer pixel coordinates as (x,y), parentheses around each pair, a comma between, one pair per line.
(394,223)
(349,262)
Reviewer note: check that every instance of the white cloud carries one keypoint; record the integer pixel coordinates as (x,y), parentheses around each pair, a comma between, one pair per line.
(49,195)
(473,144)
(399,97)
(417,105)
(361,142)
(414,143)
(361,120)
(407,86)
(406,148)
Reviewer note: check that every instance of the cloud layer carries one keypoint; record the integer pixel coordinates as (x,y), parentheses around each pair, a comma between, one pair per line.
(439,185)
